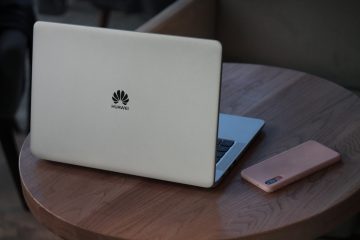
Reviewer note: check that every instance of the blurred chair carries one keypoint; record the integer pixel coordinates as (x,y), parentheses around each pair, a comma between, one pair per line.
(106,6)
(52,7)
(152,7)
(16,21)
(318,37)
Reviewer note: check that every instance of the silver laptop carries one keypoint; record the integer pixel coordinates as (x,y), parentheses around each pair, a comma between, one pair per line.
(135,103)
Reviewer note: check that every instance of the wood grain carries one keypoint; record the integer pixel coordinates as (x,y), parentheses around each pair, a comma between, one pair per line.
(82,203)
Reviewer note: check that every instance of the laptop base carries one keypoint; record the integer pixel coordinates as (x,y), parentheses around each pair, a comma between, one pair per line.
(242,130)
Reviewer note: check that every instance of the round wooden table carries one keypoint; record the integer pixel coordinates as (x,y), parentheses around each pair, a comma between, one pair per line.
(82,203)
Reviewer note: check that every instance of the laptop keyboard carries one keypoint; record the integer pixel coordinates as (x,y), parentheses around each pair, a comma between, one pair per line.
(222,146)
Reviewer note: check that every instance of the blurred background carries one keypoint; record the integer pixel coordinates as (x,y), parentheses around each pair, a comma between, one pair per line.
(16,20)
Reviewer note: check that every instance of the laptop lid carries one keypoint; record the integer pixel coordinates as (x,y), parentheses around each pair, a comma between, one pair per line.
(130,102)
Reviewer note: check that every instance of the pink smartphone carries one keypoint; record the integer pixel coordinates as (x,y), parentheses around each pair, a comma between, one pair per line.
(289,166)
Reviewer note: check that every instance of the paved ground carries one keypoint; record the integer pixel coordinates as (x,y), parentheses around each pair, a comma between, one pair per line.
(15,223)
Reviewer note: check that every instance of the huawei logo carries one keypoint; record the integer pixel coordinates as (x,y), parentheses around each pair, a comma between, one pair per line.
(122,96)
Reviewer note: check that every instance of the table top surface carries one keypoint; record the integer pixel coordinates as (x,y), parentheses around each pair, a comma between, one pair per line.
(82,203)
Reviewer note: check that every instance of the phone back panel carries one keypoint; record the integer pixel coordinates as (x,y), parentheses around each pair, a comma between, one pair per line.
(291,165)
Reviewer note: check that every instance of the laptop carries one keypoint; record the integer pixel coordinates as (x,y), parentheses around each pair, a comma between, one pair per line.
(134,103)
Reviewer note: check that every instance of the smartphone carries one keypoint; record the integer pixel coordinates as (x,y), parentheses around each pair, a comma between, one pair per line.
(291,165)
